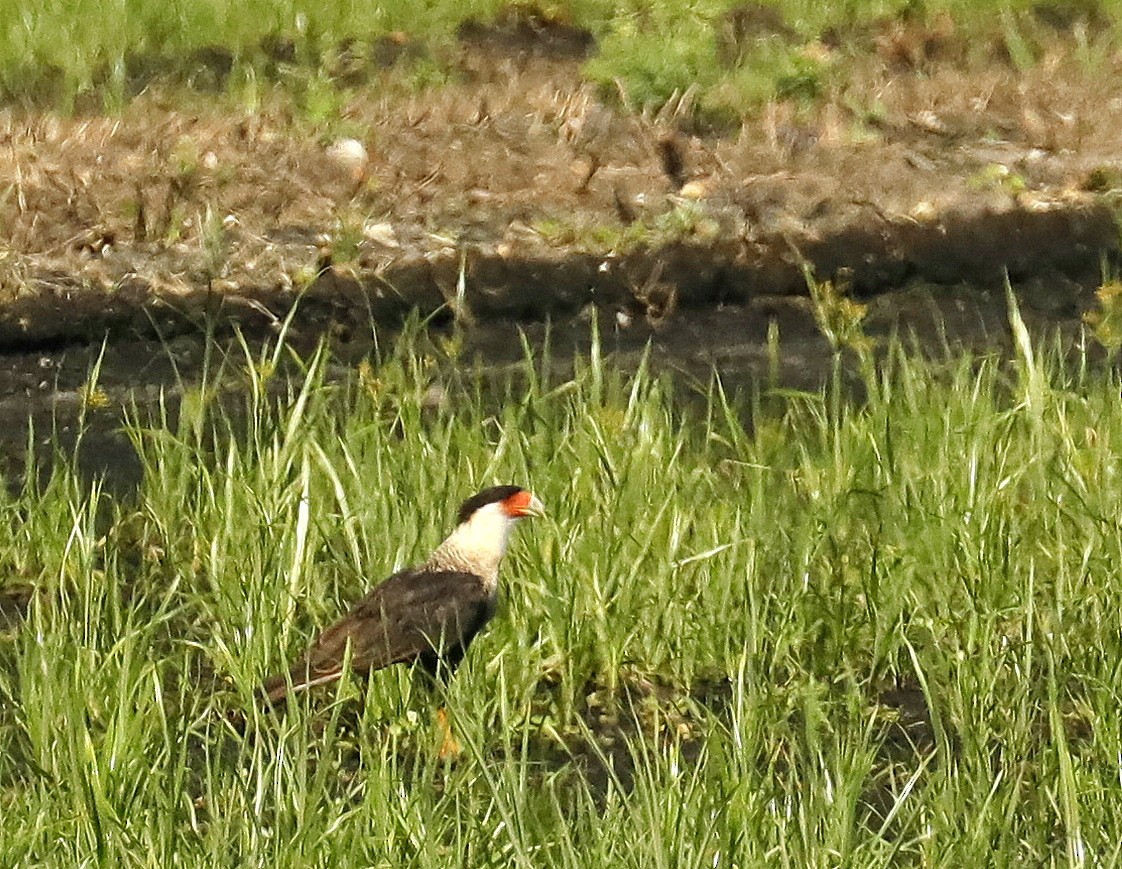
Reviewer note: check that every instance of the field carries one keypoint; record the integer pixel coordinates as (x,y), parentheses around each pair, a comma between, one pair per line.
(808,593)
(795,629)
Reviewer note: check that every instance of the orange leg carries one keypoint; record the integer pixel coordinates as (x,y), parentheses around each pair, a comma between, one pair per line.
(449,748)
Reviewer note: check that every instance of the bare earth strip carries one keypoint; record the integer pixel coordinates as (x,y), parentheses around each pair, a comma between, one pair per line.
(536,197)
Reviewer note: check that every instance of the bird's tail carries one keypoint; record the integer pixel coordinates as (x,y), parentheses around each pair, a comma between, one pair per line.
(274,690)
(272,694)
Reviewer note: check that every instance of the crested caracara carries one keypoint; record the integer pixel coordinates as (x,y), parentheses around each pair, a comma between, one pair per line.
(428,613)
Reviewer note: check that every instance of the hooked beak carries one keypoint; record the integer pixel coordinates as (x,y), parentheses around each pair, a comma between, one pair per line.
(523,503)
(534,508)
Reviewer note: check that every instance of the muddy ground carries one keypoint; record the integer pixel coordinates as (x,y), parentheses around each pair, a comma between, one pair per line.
(519,194)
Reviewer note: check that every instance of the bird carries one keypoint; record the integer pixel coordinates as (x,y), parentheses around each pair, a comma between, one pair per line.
(427,614)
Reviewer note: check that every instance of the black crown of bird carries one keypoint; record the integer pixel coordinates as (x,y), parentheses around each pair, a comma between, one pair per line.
(427,614)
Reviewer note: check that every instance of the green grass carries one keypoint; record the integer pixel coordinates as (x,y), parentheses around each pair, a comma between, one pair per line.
(690,662)
(100,53)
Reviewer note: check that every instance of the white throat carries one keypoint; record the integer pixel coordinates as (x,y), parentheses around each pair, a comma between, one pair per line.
(477,545)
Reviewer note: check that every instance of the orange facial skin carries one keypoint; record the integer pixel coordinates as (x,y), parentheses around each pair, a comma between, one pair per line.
(521,504)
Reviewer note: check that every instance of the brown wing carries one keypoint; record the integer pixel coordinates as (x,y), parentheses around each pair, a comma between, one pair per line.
(414,614)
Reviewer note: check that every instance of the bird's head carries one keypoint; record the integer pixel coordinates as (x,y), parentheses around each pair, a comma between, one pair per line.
(483,527)
(510,502)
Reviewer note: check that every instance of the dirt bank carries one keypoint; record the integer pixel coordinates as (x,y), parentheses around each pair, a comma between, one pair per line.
(519,192)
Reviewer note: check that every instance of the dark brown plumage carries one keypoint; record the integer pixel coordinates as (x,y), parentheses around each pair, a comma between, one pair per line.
(428,614)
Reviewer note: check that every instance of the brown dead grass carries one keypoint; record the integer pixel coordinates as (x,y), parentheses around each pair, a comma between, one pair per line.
(176,197)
